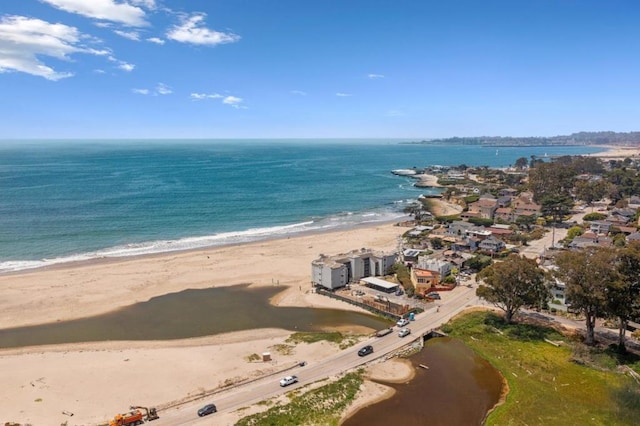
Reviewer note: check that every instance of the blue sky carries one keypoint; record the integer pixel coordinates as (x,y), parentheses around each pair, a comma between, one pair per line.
(412,69)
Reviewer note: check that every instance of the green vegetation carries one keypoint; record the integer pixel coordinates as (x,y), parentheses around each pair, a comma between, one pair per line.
(448,219)
(254,357)
(403,275)
(333,337)
(283,349)
(513,284)
(321,406)
(590,217)
(481,221)
(478,262)
(550,385)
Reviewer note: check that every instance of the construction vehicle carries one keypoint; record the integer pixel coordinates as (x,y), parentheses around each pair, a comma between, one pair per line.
(134,417)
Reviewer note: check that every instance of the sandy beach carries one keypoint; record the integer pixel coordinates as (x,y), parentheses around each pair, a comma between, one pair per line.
(617,152)
(44,385)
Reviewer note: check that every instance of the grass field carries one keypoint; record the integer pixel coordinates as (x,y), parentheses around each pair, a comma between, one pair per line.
(548,385)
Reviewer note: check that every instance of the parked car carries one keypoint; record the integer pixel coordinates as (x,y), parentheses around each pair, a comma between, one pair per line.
(289,380)
(434,295)
(402,322)
(365,350)
(207,409)
(404,332)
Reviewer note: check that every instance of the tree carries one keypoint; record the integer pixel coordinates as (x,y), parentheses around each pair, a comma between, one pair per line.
(586,274)
(478,262)
(525,221)
(556,206)
(512,284)
(624,294)
(550,180)
(590,191)
(436,243)
(521,163)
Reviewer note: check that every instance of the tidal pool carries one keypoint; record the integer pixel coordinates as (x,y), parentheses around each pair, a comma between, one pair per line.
(189,313)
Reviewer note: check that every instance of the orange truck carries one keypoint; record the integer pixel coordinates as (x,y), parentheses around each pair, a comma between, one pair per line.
(131,418)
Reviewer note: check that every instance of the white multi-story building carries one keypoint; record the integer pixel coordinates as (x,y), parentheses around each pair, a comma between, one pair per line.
(337,271)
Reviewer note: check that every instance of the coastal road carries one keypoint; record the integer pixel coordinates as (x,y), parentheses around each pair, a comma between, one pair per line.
(245,395)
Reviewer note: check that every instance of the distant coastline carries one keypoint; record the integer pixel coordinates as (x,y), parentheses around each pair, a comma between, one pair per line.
(574,139)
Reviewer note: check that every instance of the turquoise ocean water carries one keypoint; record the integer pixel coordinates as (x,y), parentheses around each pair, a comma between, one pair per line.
(62,201)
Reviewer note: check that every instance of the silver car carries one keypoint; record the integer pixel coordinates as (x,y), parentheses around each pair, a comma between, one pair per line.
(289,380)
(404,332)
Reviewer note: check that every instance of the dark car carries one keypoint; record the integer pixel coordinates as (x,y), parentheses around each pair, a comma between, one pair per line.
(207,409)
(366,350)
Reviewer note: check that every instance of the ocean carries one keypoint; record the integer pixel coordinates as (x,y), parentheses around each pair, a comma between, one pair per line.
(63,201)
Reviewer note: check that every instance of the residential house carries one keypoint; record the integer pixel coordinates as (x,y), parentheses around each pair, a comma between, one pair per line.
(492,244)
(633,237)
(503,214)
(485,207)
(423,280)
(459,228)
(507,192)
(600,227)
(634,202)
(442,267)
(503,201)
(524,206)
(590,239)
(337,271)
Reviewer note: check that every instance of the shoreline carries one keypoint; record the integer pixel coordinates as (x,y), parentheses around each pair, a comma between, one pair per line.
(275,237)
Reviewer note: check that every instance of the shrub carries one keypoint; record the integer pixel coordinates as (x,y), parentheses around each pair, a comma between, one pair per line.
(594,216)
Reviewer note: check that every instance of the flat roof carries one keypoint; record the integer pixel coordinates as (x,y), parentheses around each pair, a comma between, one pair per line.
(379,282)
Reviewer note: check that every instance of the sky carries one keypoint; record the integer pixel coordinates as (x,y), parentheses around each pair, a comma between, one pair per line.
(412,69)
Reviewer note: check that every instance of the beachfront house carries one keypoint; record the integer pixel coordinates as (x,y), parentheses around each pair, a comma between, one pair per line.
(333,272)
(423,280)
(442,267)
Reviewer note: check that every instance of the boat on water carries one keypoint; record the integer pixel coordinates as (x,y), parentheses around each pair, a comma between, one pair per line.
(404,172)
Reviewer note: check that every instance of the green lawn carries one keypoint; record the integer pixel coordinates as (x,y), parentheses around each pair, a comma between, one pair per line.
(550,385)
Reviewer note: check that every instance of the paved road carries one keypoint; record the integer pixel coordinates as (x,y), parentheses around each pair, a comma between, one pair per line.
(243,396)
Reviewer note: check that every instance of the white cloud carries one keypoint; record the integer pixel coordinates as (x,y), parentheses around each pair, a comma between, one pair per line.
(163,89)
(149,4)
(375,76)
(131,35)
(343,95)
(191,30)
(107,10)
(155,40)
(234,101)
(394,113)
(125,66)
(99,71)
(201,96)
(160,89)
(24,41)
(299,92)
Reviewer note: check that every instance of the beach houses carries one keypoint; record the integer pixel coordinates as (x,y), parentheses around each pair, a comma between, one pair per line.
(333,272)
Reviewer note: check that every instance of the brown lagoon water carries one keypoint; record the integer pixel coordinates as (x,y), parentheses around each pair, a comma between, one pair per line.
(189,313)
(458,389)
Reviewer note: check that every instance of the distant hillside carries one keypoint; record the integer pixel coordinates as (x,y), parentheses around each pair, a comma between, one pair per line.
(581,138)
